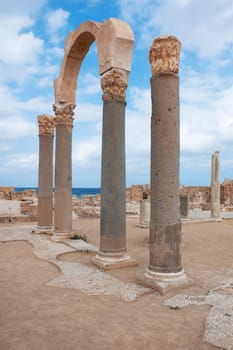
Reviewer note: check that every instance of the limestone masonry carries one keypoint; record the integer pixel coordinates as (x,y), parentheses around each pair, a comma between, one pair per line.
(199,197)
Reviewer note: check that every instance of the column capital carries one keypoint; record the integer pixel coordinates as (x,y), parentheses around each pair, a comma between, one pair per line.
(164,55)
(114,84)
(46,124)
(64,113)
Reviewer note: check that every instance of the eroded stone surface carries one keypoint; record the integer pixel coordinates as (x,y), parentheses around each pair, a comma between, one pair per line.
(164,54)
(46,124)
(74,275)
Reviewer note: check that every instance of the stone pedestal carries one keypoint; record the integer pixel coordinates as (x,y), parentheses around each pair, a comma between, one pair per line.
(215,187)
(63,172)
(144,220)
(165,269)
(45,178)
(112,252)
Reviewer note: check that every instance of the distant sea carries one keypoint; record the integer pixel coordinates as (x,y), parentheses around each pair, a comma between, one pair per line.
(76,191)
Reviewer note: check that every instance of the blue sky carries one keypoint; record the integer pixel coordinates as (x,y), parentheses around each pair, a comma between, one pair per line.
(31,51)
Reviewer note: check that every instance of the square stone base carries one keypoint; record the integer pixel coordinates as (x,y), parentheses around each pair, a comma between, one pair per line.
(143,225)
(164,282)
(113,262)
(60,236)
(47,230)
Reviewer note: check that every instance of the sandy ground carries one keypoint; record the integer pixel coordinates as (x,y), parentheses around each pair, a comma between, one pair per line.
(34,315)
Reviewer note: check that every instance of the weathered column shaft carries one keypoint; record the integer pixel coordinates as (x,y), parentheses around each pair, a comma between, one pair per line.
(63,171)
(215,186)
(144,213)
(112,251)
(45,177)
(165,265)
(112,224)
(165,226)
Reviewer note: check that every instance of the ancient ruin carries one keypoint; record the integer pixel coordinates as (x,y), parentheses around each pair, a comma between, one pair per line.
(163,215)
(45,176)
(144,220)
(215,186)
(114,39)
(165,266)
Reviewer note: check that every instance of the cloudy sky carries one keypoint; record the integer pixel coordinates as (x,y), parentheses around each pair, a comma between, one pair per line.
(31,51)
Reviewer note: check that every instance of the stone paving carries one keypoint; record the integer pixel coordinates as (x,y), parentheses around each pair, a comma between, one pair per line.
(92,281)
(89,280)
(219,322)
(198,214)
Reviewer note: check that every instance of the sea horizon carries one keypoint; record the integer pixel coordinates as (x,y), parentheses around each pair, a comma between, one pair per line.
(76,191)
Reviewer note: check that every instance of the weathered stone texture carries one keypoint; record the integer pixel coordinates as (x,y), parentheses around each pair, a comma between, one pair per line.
(215,186)
(184,206)
(138,192)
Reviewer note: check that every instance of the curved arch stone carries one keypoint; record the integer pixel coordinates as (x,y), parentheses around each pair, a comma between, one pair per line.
(117,53)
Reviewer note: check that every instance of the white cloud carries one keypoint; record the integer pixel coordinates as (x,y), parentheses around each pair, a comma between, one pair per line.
(27,161)
(15,127)
(202,26)
(87,151)
(18,45)
(206,112)
(22,6)
(56,21)
(18,118)
(90,85)
(37,105)
(88,112)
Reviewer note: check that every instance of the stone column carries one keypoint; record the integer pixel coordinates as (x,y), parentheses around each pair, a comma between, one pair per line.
(45,177)
(165,266)
(215,186)
(63,171)
(144,220)
(112,252)
(184,206)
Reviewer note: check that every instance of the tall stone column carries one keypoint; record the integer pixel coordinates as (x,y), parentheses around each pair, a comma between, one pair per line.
(165,265)
(215,186)
(63,171)
(112,252)
(45,176)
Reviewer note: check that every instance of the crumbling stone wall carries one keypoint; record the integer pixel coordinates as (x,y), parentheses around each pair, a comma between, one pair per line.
(137,192)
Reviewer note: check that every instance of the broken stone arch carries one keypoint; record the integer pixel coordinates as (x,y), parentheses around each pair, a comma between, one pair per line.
(114,39)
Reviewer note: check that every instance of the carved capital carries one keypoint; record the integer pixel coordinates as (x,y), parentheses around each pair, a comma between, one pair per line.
(114,84)
(64,113)
(164,55)
(46,124)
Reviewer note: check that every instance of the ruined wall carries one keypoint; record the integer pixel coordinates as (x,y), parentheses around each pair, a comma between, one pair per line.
(198,196)
(137,192)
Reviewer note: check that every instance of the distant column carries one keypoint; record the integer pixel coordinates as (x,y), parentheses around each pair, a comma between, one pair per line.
(184,206)
(215,186)
(112,252)
(45,176)
(63,171)
(144,220)
(165,266)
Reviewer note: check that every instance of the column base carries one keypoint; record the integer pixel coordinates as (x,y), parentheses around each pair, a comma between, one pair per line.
(43,229)
(141,225)
(60,236)
(108,261)
(216,218)
(164,282)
